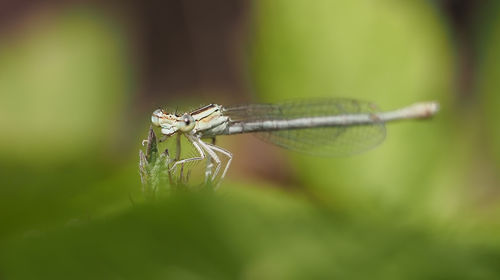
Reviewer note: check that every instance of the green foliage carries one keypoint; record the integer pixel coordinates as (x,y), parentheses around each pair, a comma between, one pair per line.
(64,82)
(242,234)
(392,53)
(489,85)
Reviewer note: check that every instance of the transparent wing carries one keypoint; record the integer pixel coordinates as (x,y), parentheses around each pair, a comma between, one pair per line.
(325,141)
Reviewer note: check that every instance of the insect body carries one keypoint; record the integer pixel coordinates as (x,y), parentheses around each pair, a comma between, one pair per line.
(321,127)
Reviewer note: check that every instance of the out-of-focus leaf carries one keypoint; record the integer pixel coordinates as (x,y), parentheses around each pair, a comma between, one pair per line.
(489,83)
(263,235)
(392,53)
(64,82)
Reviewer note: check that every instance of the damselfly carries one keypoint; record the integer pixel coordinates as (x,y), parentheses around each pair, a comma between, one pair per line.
(327,127)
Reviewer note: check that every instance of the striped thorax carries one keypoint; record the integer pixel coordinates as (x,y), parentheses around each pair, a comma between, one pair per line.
(205,121)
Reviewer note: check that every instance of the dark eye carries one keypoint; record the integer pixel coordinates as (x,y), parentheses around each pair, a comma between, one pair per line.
(187,123)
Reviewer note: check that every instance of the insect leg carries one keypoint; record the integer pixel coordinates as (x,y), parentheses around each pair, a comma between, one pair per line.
(193,141)
(226,153)
(213,155)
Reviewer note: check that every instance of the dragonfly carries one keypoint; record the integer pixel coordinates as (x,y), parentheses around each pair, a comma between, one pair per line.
(325,127)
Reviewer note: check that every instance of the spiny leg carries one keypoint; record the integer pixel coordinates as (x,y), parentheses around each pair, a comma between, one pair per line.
(226,153)
(200,151)
(213,155)
(210,165)
(208,168)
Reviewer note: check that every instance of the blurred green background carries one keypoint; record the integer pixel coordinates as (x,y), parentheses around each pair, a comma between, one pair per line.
(79,80)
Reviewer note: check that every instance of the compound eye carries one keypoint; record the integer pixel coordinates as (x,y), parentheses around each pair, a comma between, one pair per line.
(187,123)
(155,117)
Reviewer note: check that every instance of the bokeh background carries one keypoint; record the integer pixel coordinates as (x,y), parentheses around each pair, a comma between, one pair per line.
(79,79)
